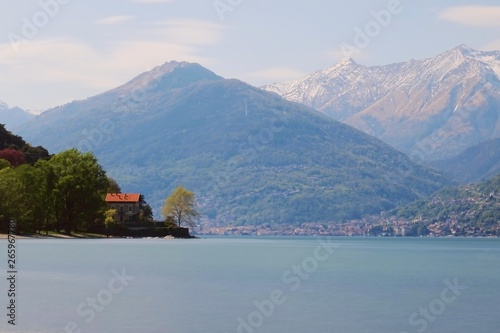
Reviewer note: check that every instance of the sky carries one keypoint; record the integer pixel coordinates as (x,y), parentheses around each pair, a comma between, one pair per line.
(53,52)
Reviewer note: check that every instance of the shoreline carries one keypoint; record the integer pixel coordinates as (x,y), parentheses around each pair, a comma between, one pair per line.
(49,236)
(80,236)
(85,236)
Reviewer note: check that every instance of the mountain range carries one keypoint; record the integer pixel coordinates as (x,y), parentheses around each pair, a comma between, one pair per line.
(429,109)
(13,117)
(250,156)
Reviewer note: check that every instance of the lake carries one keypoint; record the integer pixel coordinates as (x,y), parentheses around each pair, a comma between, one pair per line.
(247,285)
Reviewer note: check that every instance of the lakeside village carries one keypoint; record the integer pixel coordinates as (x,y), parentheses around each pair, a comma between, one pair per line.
(387,224)
(369,226)
(473,213)
(126,207)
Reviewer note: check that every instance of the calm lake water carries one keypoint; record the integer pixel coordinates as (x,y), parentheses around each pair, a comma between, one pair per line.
(225,285)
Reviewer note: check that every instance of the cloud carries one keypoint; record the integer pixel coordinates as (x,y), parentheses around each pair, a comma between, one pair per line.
(479,16)
(60,70)
(189,31)
(112,20)
(57,71)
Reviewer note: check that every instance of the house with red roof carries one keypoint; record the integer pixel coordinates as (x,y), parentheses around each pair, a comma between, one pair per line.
(127,205)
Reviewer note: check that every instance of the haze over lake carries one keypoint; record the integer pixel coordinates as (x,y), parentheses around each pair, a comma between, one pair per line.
(348,285)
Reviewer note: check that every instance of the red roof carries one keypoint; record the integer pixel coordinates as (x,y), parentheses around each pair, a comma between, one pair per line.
(122,197)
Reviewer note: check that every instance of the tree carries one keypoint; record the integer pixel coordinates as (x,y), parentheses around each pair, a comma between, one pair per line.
(9,140)
(181,206)
(34,154)
(48,197)
(35,193)
(11,195)
(109,220)
(25,195)
(4,164)
(80,186)
(146,213)
(113,187)
(15,157)
(145,210)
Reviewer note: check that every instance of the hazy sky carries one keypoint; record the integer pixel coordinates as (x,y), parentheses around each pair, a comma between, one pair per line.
(55,51)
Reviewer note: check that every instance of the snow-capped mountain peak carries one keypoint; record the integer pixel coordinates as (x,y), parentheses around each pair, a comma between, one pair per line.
(407,103)
(347,62)
(465,50)
(464,53)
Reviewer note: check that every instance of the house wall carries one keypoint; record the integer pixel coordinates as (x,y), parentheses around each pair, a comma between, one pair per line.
(124,210)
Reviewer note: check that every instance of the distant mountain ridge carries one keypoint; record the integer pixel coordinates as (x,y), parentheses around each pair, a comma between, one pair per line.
(429,109)
(250,156)
(13,117)
(476,163)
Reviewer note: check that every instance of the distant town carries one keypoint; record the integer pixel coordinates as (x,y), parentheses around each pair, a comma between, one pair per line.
(369,226)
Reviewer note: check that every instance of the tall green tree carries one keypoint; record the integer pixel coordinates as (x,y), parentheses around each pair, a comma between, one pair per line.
(11,195)
(181,206)
(25,197)
(80,186)
(43,179)
(33,154)
(34,202)
(145,210)
(109,220)
(113,187)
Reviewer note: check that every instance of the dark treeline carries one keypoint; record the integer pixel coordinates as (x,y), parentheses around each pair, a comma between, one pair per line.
(17,151)
(62,192)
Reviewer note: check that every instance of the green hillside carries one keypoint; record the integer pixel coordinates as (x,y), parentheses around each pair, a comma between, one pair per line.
(250,156)
(473,205)
(476,163)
